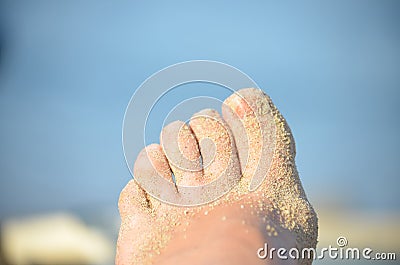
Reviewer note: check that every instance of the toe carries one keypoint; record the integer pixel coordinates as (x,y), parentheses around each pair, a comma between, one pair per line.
(133,200)
(135,221)
(152,172)
(249,115)
(180,147)
(152,160)
(216,144)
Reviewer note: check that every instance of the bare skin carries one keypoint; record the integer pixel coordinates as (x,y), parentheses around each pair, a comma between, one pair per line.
(231,229)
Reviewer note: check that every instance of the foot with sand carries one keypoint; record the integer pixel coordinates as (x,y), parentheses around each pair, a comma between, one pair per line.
(232,228)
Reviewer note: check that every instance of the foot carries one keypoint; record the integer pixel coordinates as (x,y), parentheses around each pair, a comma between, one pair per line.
(253,146)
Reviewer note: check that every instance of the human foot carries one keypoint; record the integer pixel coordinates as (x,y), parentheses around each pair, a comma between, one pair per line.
(253,141)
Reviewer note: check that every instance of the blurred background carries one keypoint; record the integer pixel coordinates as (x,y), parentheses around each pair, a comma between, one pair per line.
(69,68)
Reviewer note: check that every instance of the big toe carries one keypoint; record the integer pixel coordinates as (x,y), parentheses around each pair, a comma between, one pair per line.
(249,115)
(267,152)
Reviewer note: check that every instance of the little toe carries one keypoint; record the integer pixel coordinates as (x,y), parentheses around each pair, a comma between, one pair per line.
(133,200)
(153,173)
(135,215)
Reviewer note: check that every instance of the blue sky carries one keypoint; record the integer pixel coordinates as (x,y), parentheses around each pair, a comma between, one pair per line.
(69,68)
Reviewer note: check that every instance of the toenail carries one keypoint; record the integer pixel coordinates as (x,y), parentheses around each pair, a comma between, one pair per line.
(239,106)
